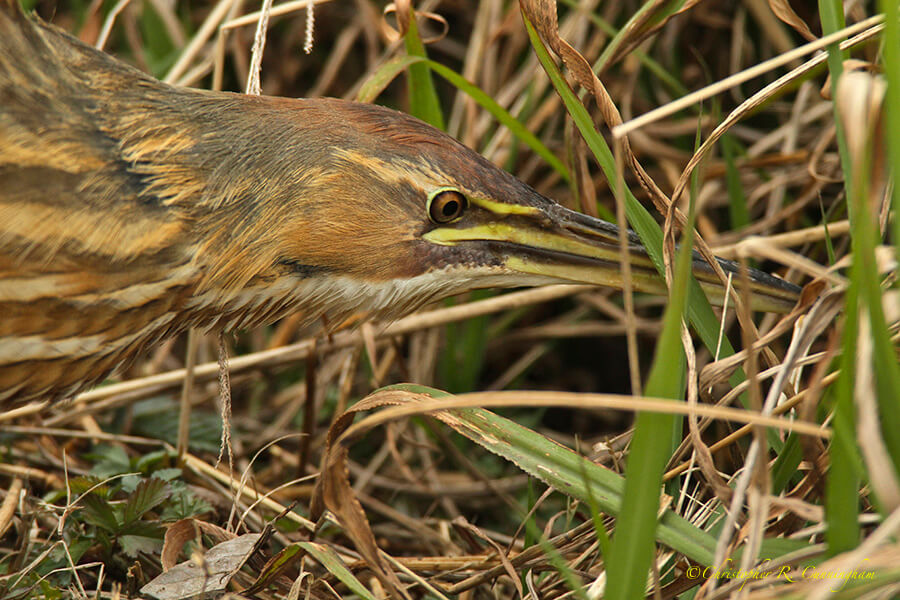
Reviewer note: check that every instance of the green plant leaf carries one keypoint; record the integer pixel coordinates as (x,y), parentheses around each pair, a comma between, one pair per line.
(111,460)
(168,474)
(99,512)
(148,494)
(141,536)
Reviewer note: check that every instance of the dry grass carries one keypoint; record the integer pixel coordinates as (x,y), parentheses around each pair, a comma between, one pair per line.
(460,518)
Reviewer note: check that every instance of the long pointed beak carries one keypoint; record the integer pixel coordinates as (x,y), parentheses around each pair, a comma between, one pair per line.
(567,246)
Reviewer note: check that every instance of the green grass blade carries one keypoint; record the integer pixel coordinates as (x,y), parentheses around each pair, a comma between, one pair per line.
(886,366)
(423,98)
(559,563)
(786,463)
(383,76)
(829,245)
(864,300)
(737,201)
(633,543)
(465,346)
(654,67)
(502,115)
(841,492)
(865,237)
(831,13)
(891,57)
(663,12)
(603,540)
(844,475)
(329,559)
(576,476)
(567,471)
(159,49)
(699,310)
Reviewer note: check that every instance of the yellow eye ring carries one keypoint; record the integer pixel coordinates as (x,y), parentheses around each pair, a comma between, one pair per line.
(446,205)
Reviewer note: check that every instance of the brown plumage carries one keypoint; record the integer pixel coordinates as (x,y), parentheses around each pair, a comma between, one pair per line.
(131,210)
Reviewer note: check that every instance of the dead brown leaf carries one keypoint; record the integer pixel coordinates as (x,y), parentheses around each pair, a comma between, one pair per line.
(334,492)
(783,10)
(209,574)
(650,19)
(183,531)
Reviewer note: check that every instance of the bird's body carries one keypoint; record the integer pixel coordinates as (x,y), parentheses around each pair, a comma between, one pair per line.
(131,210)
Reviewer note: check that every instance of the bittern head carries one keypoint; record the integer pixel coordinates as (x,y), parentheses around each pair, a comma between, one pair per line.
(392,213)
(391,202)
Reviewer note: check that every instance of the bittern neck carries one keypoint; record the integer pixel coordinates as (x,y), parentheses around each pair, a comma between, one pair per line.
(110,320)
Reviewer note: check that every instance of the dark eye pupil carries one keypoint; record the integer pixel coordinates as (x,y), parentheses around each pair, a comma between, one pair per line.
(450,208)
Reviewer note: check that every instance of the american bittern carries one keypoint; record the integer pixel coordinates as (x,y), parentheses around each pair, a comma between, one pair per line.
(131,210)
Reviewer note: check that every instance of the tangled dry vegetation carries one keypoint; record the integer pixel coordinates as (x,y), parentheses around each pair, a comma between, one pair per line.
(778,464)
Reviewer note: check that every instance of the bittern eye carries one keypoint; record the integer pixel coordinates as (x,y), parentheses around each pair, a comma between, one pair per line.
(446,205)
